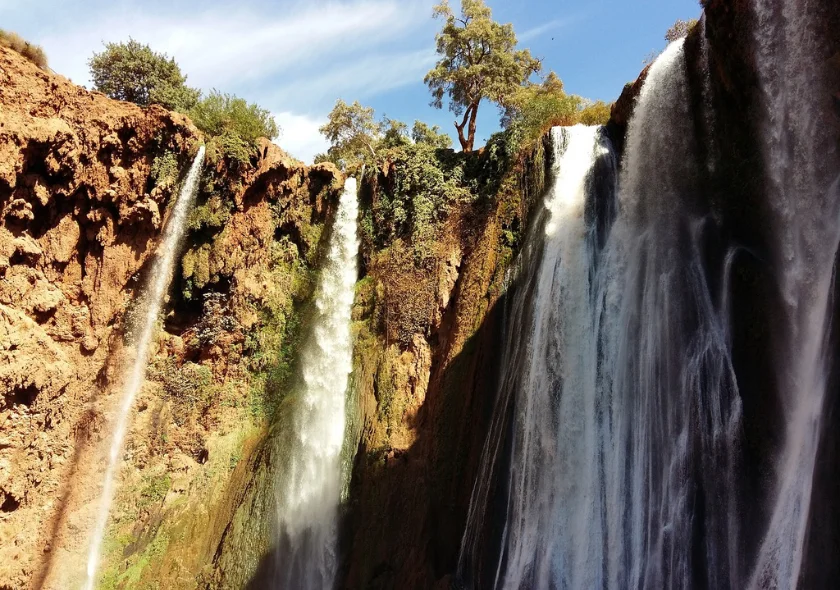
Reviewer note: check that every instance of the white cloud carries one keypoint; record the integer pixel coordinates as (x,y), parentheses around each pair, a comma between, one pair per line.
(230,45)
(357,78)
(293,57)
(299,135)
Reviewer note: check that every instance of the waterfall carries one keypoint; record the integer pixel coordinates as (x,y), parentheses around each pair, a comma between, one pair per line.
(309,482)
(160,277)
(553,497)
(800,153)
(626,418)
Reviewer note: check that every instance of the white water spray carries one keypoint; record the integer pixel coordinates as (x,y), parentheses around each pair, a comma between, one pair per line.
(309,484)
(160,276)
(801,166)
(554,502)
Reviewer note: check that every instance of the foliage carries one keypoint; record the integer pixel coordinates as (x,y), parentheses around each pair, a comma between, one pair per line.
(422,133)
(680,29)
(155,490)
(478,60)
(210,215)
(133,72)
(357,137)
(232,125)
(218,114)
(165,170)
(426,184)
(534,108)
(394,133)
(30,51)
(596,113)
(352,133)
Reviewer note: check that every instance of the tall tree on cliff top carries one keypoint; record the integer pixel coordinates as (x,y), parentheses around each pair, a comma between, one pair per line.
(478,60)
(132,71)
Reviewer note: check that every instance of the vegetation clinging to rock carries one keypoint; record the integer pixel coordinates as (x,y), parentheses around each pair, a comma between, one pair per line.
(232,125)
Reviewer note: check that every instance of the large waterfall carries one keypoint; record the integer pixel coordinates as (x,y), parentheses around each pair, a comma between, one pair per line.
(803,172)
(617,451)
(142,334)
(309,480)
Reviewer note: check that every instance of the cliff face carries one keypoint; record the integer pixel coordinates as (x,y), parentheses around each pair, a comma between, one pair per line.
(85,184)
(79,216)
(428,324)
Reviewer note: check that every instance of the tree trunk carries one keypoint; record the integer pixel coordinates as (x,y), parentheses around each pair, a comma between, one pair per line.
(471,137)
(469,118)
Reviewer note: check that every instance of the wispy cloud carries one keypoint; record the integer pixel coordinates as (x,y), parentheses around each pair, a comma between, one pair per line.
(358,79)
(293,57)
(225,46)
(541,30)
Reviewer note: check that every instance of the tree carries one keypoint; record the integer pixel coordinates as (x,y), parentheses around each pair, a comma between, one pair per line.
(595,113)
(478,60)
(394,133)
(133,72)
(352,132)
(421,133)
(232,125)
(534,108)
(218,113)
(680,29)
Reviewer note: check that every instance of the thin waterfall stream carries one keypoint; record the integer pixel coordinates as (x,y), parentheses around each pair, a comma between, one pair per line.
(142,334)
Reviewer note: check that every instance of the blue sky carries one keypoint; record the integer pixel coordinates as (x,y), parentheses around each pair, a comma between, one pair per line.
(297,57)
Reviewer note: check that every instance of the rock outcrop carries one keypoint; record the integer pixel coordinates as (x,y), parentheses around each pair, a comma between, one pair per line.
(85,184)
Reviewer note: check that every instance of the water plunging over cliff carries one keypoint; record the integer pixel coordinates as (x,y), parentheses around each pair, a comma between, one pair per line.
(160,277)
(803,188)
(624,452)
(309,482)
(626,411)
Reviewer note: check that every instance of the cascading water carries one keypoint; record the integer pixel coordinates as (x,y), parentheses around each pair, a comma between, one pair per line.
(309,480)
(803,185)
(624,433)
(160,277)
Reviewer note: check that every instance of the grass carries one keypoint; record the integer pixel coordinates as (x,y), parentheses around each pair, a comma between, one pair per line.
(32,52)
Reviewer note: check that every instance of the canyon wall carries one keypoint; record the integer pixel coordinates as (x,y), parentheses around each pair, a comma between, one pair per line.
(85,186)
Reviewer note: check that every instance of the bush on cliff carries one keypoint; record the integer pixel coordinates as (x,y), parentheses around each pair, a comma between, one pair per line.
(133,72)
(232,125)
(15,42)
(595,113)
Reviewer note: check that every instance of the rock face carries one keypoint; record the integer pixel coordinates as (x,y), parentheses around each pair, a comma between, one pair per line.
(79,215)
(85,183)
(429,333)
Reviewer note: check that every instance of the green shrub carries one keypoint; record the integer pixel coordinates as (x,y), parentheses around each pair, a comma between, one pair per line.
(213,214)
(422,133)
(133,72)
(428,180)
(219,114)
(165,170)
(596,113)
(30,51)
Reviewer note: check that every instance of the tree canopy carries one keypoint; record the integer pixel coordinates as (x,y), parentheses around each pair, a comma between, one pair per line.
(351,131)
(478,60)
(421,133)
(133,72)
